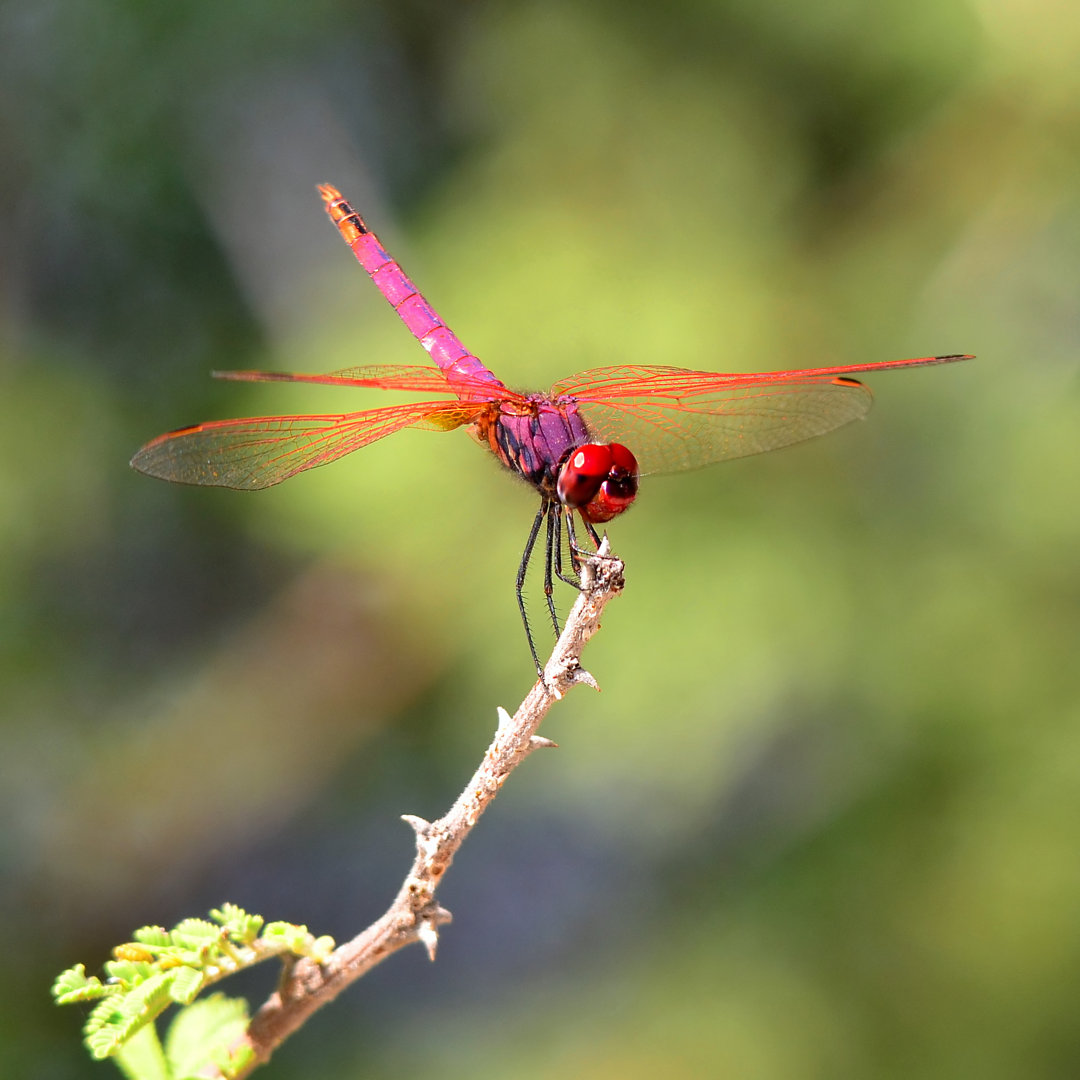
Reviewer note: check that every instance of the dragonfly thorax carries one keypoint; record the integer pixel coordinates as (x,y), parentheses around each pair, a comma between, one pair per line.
(599,480)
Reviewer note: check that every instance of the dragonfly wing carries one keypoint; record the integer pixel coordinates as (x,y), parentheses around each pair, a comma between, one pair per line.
(639,380)
(262,451)
(675,419)
(420,378)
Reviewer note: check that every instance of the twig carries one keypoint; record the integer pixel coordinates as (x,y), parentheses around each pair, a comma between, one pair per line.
(415,916)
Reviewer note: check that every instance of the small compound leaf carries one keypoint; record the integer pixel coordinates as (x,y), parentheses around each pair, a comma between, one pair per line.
(129,972)
(75,985)
(141,1057)
(196,934)
(287,936)
(283,936)
(101,1032)
(113,1021)
(186,984)
(204,1033)
(238,923)
(152,935)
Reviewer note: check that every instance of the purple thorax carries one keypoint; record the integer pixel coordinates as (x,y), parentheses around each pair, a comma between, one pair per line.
(535,444)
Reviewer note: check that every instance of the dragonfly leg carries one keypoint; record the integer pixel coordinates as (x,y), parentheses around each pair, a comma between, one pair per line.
(552,539)
(593,534)
(526,557)
(576,551)
(570,579)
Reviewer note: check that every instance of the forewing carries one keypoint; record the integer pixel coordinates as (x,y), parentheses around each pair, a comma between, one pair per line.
(420,378)
(675,419)
(262,451)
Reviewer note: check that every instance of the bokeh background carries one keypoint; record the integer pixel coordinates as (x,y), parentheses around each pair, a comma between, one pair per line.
(824,819)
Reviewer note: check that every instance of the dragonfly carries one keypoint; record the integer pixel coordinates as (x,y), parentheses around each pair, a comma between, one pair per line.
(583,446)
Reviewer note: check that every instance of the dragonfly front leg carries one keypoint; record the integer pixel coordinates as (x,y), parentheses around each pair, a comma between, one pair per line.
(576,551)
(569,579)
(526,558)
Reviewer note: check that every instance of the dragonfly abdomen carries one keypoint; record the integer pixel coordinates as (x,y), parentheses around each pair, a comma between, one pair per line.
(425,323)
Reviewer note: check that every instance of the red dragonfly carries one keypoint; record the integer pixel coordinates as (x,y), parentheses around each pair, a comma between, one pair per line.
(573,444)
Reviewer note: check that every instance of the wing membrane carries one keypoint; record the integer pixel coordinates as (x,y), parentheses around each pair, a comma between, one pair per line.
(675,418)
(668,435)
(421,378)
(262,451)
(640,380)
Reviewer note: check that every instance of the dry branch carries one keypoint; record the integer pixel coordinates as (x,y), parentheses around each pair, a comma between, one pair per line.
(415,916)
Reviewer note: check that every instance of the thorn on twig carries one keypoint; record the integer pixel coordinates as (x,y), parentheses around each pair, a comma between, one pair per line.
(429,936)
(421,826)
(580,675)
(504,718)
(538,742)
(427,839)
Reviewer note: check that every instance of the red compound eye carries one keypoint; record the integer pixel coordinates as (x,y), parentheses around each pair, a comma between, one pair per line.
(585,470)
(599,480)
(623,462)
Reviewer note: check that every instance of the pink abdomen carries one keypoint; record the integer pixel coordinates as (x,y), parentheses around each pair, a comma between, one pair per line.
(424,322)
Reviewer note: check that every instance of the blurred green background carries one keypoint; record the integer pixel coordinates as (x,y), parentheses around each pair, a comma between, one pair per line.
(824,820)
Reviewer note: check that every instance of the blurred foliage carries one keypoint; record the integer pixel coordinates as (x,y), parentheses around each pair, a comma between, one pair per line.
(823,820)
(159,968)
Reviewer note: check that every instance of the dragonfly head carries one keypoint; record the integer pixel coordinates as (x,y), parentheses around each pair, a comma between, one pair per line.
(599,480)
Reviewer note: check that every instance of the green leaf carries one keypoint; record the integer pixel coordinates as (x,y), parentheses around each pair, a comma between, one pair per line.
(204,1032)
(240,925)
(141,1057)
(74,985)
(100,1032)
(129,972)
(188,981)
(296,939)
(196,933)
(152,935)
(288,936)
(118,1017)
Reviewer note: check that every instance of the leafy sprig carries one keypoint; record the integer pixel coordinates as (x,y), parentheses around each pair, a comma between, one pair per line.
(160,967)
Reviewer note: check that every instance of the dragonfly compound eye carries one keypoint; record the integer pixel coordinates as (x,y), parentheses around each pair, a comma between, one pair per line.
(583,472)
(618,491)
(599,480)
